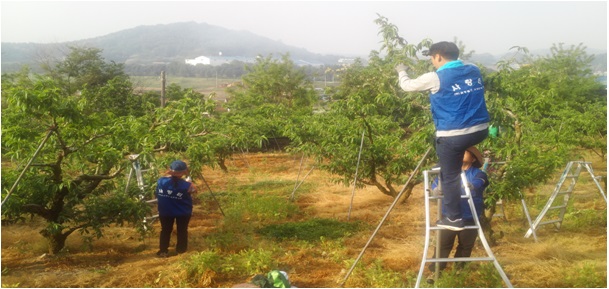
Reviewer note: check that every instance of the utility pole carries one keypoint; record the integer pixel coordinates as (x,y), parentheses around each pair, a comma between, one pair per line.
(163,88)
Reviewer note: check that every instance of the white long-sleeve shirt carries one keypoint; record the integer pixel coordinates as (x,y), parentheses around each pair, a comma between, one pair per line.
(426,82)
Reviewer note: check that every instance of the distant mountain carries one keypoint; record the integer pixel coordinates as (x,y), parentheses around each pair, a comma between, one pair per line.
(171,43)
(167,43)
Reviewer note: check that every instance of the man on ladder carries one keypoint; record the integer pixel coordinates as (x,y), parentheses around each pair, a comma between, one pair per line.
(459,114)
(461,120)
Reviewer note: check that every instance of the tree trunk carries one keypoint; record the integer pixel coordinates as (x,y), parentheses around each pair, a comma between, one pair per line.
(487,228)
(407,192)
(56,241)
(222,164)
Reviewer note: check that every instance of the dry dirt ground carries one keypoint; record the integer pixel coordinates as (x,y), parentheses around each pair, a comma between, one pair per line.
(120,259)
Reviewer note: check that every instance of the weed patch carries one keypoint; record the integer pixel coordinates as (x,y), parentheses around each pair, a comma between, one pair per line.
(583,218)
(472,275)
(205,267)
(586,277)
(375,275)
(310,230)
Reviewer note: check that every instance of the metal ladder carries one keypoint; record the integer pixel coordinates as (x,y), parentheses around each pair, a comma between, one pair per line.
(136,168)
(428,228)
(570,173)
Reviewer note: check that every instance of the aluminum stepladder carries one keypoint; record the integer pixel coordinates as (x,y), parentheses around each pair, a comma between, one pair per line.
(428,228)
(571,173)
(136,168)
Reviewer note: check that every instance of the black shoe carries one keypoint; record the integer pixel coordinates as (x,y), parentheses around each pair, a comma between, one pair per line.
(162,254)
(446,223)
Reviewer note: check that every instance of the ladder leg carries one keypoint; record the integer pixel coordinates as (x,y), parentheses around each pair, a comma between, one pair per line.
(573,176)
(526,212)
(481,236)
(545,209)
(427,229)
(600,188)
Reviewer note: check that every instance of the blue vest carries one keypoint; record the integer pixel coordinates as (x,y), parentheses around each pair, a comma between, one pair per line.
(173,197)
(459,103)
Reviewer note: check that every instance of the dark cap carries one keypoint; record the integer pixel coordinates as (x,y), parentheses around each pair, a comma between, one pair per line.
(178,168)
(448,50)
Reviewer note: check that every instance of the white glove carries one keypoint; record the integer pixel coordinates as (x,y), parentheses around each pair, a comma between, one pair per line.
(400,67)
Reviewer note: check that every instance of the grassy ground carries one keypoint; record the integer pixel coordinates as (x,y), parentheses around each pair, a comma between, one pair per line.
(312,239)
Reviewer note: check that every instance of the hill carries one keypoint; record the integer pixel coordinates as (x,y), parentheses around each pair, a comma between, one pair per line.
(164,43)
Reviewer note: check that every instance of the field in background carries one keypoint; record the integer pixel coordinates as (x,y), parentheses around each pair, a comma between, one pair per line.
(202,85)
(256,235)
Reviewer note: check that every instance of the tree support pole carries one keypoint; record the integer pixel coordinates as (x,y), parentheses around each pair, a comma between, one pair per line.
(297,177)
(397,199)
(361,145)
(303,179)
(51,130)
(213,196)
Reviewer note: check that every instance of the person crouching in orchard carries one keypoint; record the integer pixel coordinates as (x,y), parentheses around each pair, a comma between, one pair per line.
(460,116)
(477,181)
(174,199)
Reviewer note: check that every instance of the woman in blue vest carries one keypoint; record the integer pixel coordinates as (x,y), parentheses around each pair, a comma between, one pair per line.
(477,183)
(174,198)
(460,116)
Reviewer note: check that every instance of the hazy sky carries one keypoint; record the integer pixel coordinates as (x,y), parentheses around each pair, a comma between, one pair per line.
(344,27)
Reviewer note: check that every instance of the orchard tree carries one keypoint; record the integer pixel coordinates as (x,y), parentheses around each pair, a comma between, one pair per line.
(67,184)
(83,67)
(189,127)
(76,182)
(104,85)
(397,128)
(548,110)
(273,94)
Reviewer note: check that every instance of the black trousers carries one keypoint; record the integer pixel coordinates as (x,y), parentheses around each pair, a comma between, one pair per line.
(466,241)
(167,228)
(450,152)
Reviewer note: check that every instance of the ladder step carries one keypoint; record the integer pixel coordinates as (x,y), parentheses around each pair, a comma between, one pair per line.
(564,192)
(549,222)
(151,201)
(442,196)
(152,217)
(557,207)
(440,228)
(571,176)
(459,259)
